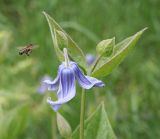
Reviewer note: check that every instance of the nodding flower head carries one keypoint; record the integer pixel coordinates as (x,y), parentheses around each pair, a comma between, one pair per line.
(65,82)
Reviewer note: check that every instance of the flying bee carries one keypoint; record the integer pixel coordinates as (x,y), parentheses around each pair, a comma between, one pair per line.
(26,50)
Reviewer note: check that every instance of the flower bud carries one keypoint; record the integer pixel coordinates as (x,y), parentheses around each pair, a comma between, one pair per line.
(105,47)
(63,126)
(90,59)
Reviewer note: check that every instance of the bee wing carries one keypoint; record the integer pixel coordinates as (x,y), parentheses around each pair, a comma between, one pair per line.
(35,46)
(20,47)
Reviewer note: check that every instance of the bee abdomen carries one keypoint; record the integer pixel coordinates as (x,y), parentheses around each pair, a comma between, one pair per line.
(21,53)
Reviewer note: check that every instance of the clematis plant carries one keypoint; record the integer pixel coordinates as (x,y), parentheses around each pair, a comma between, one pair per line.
(108,56)
(65,84)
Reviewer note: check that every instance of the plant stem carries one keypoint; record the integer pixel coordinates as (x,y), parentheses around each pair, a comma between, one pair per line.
(83,98)
(95,63)
(53,127)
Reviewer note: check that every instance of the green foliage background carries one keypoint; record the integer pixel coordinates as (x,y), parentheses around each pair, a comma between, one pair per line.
(131,96)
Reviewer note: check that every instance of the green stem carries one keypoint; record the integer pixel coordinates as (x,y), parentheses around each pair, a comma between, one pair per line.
(53,127)
(95,63)
(83,98)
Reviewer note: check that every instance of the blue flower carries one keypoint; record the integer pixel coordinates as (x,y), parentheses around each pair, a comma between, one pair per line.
(90,59)
(43,87)
(65,82)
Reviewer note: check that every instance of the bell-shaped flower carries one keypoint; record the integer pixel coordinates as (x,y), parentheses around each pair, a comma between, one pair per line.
(65,82)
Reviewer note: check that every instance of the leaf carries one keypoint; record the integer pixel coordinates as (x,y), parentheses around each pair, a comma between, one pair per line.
(61,39)
(74,51)
(97,126)
(106,65)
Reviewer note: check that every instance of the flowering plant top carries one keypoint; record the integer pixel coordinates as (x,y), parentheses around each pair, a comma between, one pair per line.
(65,82)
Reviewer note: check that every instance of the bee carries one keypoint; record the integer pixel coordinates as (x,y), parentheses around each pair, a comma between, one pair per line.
(26,50)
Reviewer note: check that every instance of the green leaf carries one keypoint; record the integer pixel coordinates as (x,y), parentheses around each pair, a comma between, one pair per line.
(63,126)
(106,65)
(97,126)
(61,39)
(59,34)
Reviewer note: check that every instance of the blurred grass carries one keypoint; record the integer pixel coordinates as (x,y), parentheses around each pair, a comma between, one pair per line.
(132,92)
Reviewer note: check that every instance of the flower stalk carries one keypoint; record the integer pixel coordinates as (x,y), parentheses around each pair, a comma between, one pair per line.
(66,58)
(53,121)
(82,114)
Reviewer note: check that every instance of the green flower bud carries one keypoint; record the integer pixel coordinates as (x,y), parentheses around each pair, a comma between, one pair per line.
(105,47)
(63,126)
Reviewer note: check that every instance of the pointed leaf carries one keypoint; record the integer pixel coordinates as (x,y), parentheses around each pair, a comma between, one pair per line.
(74,51)
(61,39)
(106,65)
(97,126)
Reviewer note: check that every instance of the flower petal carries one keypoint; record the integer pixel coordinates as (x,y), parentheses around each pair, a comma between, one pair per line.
(86,82)
(96,82)
(90,59)
(52,85)
(67,89)
(43,88)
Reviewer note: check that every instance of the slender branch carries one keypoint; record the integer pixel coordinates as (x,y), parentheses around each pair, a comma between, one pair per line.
(83,98)
(95,63)
(53,127)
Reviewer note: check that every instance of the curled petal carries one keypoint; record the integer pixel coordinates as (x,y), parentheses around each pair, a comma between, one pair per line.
(86,82)
(55,107)
(52,85)
(43,88)
(96,82)
(67,89)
